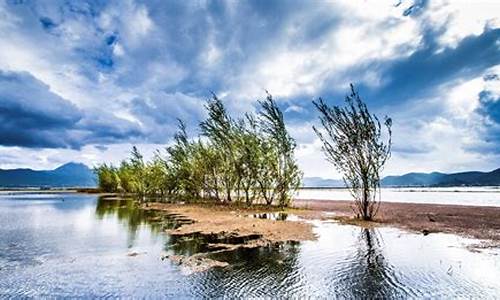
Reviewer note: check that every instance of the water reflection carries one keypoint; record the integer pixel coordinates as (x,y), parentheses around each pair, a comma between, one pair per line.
(370,274)
(277,263)
(127,211)
(279,216)
(78,248)
(256,272)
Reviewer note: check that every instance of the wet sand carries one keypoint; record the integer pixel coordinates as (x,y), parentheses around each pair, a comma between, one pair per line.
(235,220)
(470,221)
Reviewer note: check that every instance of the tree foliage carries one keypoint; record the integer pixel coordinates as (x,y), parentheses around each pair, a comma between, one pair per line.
(353,143)
(248,159)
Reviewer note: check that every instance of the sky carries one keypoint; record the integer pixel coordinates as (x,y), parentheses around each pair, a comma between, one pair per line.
(83,81)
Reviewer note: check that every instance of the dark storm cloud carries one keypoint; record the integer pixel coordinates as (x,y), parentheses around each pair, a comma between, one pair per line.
(33,116)
(490,108)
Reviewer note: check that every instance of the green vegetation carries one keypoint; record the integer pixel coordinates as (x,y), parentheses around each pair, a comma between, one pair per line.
(352,142)
(249,159)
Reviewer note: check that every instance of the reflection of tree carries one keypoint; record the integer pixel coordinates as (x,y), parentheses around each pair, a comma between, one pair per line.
(127,211)
(261,271)
(369,274)
(372,267)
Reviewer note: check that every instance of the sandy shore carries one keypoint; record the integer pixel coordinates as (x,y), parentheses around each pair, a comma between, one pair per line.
(469,221)
(230,219)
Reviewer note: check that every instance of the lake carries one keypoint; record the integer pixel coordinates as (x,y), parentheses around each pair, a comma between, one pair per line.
(475,196)
(76,245)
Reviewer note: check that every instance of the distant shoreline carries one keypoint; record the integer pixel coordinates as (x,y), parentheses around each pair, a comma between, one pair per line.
(51,190)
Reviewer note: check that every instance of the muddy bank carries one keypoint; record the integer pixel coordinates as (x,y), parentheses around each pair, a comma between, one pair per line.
(198,232)
(234,222)
(470,221)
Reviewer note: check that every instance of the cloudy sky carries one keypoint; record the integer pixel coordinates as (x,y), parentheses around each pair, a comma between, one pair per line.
(85,80)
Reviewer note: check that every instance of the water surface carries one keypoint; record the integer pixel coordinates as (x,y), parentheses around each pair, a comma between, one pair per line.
(78,245)
(475,196)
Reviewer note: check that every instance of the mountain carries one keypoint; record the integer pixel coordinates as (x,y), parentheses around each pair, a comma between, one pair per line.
(414,179)
(321,182)
(68,175)
(473,178)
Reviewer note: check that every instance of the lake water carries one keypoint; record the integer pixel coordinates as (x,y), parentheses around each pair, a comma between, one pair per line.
(76,245)
(476,196)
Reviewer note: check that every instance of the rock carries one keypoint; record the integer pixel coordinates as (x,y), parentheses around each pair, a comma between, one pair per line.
(196,263)
(426,232)
(431,218)
(133,254)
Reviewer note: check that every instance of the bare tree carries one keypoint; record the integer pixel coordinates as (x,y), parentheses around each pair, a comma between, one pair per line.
(353,143)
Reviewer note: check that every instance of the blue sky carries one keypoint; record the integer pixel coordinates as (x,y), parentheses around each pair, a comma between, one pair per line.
(85,80)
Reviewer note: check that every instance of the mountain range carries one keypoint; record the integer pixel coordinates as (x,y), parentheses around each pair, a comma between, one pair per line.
(68,175)
(473,178)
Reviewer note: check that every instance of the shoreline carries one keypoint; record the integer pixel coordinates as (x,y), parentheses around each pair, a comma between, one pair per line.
(475,222)
(221,219)
(471,221)
(478,222)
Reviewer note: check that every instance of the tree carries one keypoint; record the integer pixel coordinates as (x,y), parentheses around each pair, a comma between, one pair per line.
(181,165)
(286,172)
(138,168)
(353,143)
(126,175)
(249,154)
(219,129)
(155,177)
(107,178)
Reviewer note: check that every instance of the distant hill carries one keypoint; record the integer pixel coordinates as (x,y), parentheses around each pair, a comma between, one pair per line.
(473,178)
(68,175)
(414,179)
(321,182)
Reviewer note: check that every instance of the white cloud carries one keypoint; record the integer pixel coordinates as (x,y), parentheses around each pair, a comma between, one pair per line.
(149,64)
(462,18)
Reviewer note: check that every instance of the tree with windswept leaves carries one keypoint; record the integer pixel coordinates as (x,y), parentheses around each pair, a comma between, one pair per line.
(219,129)
(353,143)
(285,169)
(182,167)
(107,178)
(244,159)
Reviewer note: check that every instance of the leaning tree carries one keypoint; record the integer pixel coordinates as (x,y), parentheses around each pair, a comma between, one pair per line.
(353,143)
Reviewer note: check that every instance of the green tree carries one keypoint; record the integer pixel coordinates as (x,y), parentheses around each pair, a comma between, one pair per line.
(126,175)
(352,142)
(286,171)
(219,129)
(107,178)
